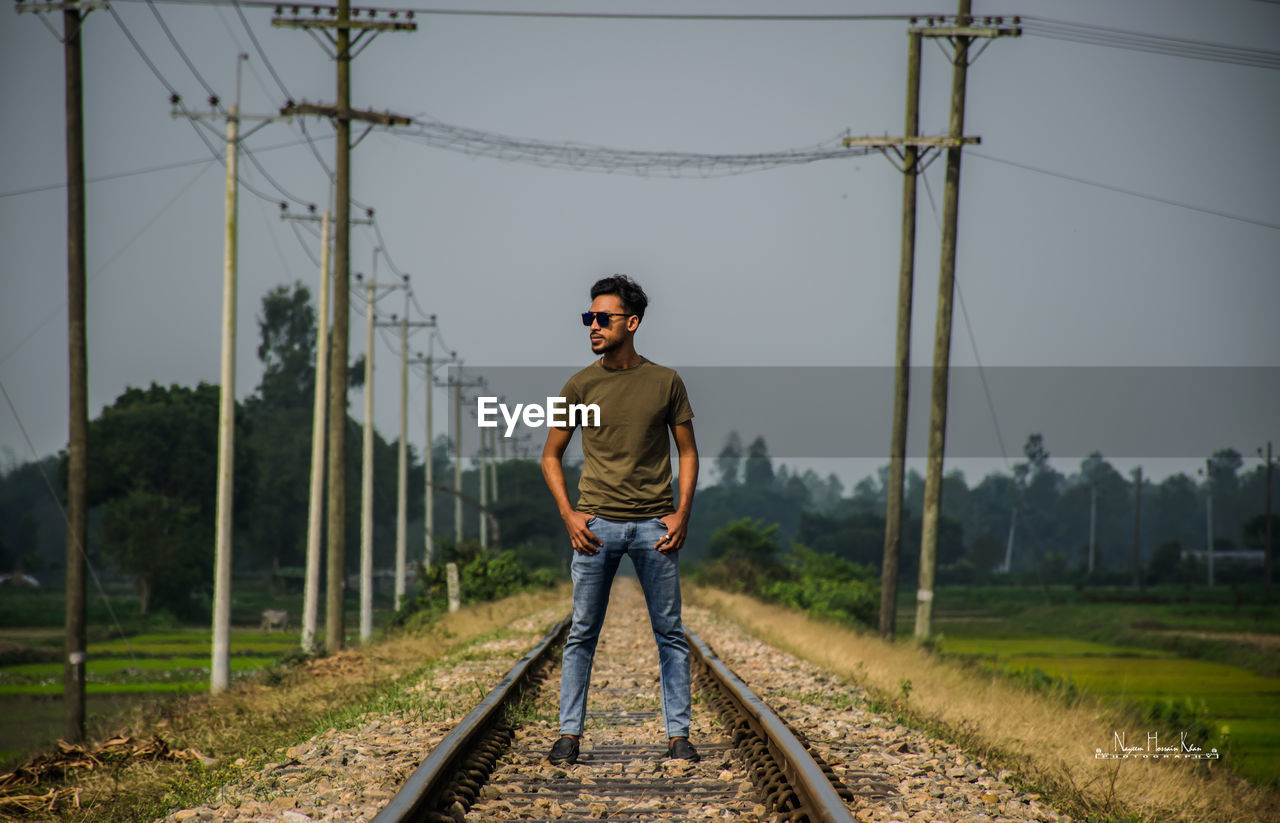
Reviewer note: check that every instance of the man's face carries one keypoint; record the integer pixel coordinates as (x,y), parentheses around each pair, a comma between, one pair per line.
(609,338)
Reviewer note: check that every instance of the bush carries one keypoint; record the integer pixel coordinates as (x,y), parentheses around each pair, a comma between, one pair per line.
(743,559)
(482,576)
(824,585)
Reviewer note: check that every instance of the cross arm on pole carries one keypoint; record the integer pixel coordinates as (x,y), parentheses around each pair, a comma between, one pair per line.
(62,5)
(927,147)
(377,118)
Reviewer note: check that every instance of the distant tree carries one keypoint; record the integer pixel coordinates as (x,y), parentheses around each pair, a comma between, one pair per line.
(153,469)
(287,347)
(1163,566)
(987,552)
(759,466)
(162,542)
(729,461)
(742,555)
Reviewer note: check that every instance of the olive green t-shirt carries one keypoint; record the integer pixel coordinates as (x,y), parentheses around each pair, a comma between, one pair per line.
(626,470)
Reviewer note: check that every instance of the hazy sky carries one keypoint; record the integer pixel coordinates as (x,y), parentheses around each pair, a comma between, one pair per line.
(793,266)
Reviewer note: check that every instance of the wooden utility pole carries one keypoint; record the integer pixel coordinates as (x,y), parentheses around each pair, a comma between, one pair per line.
(1137,528)
(1093,526)
(341,114)
(77,360)
(315,502)
(911,154)
(1266,573)
(78,363)
(902,360)
(1207,471)
(960,35)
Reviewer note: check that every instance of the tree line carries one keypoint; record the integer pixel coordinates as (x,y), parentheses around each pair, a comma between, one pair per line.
(153,468)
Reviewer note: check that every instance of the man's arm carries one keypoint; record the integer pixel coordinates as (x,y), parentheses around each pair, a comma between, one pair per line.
(580,537)
(678,523)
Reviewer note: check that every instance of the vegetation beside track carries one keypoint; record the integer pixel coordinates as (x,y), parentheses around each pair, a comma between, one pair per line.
(1047,736)
(234,730)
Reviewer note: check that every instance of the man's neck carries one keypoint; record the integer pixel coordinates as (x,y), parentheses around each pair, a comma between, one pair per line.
(623,358)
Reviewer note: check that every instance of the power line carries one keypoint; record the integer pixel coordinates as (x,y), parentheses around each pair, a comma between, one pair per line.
(258,47)
(103,267)
(587,157)
(1130,192)
(1150,43)
(1037,26)
(57,501)
(213,96)
(148,170)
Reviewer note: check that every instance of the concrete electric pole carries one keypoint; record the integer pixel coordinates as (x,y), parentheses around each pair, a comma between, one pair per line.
(224,525)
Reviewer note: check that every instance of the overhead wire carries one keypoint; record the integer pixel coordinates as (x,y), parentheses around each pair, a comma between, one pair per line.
(213,96)
(110,259)
(1031,24)
(57,501)
(1149,43)
(1131,192)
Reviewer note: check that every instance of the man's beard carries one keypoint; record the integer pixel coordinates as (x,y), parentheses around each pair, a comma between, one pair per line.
(606,347)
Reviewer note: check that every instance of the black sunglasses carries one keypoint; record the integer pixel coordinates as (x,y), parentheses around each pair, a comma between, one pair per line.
(601,317)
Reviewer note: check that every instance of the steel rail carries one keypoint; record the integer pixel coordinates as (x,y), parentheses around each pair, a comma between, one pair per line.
(424,791)
(818,797)
(447,782)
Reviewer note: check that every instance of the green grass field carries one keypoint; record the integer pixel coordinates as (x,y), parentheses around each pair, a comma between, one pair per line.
(1136,651)
(132,660)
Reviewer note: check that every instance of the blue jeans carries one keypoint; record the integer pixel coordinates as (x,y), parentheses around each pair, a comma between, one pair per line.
(659,575)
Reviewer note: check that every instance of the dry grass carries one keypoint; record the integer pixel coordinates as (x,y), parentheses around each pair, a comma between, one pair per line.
(1045,740)
(253,719)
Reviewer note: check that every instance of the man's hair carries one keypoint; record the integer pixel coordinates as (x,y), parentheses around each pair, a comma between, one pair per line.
(633,298)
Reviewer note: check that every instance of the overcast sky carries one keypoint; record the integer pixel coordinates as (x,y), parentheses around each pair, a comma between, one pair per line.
(787,267)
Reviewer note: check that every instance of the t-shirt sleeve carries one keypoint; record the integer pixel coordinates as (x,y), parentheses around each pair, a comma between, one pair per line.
(678,408)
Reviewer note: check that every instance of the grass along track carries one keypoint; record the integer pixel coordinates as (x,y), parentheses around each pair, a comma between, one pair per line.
(1050,743)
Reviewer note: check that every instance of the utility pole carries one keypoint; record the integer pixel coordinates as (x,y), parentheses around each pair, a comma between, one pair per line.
(911,154)
(220,668)
(402,484)
(366,471)
(493,466)
(902,360)
(1137,528)
(1008,549)
(341,114)
(429,509)
(315,503)
(484,489)
(457,385)
(77,362)
(1207,471)
(960,35)
(1093,524)
(1266,573)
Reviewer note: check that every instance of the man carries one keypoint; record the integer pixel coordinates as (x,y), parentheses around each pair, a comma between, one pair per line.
(625,506)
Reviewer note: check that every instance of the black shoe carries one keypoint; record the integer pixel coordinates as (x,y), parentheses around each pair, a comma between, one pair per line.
(681,749)
(565,750)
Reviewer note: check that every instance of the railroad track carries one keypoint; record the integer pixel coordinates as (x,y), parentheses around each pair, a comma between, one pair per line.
(492,766)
